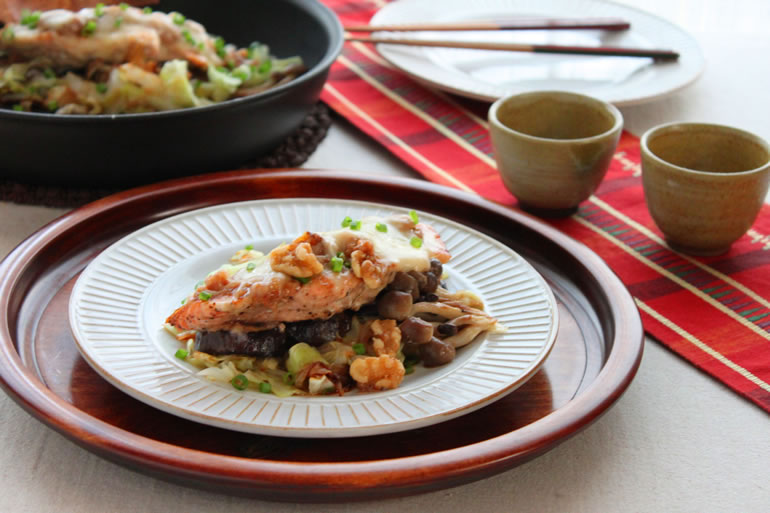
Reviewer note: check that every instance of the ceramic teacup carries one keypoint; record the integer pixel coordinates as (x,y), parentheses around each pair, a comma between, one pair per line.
(553,148)
(704,184)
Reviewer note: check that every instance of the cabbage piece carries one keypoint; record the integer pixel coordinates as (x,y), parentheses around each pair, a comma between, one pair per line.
(258,53)
(222,373)
(258,74)
(280,65)
(320,386)
(335,352)
(277,381)
(12,79)
(176,84)
(130,89)
(300,355)
(224,84)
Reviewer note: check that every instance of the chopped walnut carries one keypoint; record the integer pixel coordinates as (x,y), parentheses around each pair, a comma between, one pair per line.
(377,372)
(365,265)
(386,337)
(297,259)
(217,281)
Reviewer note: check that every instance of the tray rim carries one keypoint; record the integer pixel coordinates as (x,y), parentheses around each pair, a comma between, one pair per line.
(319,480)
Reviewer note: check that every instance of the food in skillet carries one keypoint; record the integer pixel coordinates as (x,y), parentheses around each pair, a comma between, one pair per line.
(122,59)
(354,308)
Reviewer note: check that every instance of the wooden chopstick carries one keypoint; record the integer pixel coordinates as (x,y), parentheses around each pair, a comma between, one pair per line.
(517,24)
(656,54)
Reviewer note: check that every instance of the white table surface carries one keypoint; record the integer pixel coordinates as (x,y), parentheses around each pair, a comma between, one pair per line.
(676,441)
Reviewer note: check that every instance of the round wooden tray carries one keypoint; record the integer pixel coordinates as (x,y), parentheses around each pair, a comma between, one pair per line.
(596,354)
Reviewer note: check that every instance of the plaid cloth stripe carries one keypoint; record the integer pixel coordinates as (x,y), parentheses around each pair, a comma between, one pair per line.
(713,311)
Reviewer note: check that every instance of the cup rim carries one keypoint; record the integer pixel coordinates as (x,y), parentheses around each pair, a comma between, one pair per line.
(692,124)
(614,112)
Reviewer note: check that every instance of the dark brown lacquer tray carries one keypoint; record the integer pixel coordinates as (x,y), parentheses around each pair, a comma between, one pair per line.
(597,352)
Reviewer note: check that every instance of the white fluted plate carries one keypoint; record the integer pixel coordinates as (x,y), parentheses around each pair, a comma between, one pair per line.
(120,302)
(488,75)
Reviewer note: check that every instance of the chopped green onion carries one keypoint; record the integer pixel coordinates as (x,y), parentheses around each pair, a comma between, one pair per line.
(102,88)
(53,105)
(381,227)
(250,50)
(196,83)
(18,107)
(118,22)
(346,222)
(242,74)
(200,283)
(8,34)
(219,47)
(416,242)
(230,64)
(184,301)
(99,10)
(265,67)
(49,73)
(288,378)
(178,18)
(355,225)
(414,217)
(188,37)
(181,353)
(89,28)
(359,348)
(147,10)
(265,387)
(123,6)
(302,280)
(251,266)
(337,263)
(201,46)
(410,362)
(240,382)
(204,296)
(223,69)
(341,256)
(30,19)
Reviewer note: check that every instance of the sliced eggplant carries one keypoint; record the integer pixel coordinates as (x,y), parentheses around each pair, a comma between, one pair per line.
(253,343)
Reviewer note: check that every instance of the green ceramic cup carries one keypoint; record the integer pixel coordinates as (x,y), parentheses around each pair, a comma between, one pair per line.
(704,184)
(553,148)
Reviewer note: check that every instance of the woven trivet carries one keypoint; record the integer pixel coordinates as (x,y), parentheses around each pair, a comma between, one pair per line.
(293,152)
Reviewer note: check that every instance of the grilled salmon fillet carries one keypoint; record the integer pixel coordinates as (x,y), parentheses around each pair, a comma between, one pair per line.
(111,34)
(314,277)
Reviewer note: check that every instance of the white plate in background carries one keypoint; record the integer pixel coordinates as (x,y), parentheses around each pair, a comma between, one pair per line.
(488,75)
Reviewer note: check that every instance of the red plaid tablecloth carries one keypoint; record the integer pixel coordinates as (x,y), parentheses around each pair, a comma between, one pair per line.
(714,311)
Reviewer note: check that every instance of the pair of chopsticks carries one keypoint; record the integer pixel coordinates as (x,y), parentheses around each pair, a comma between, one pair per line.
(520,24)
